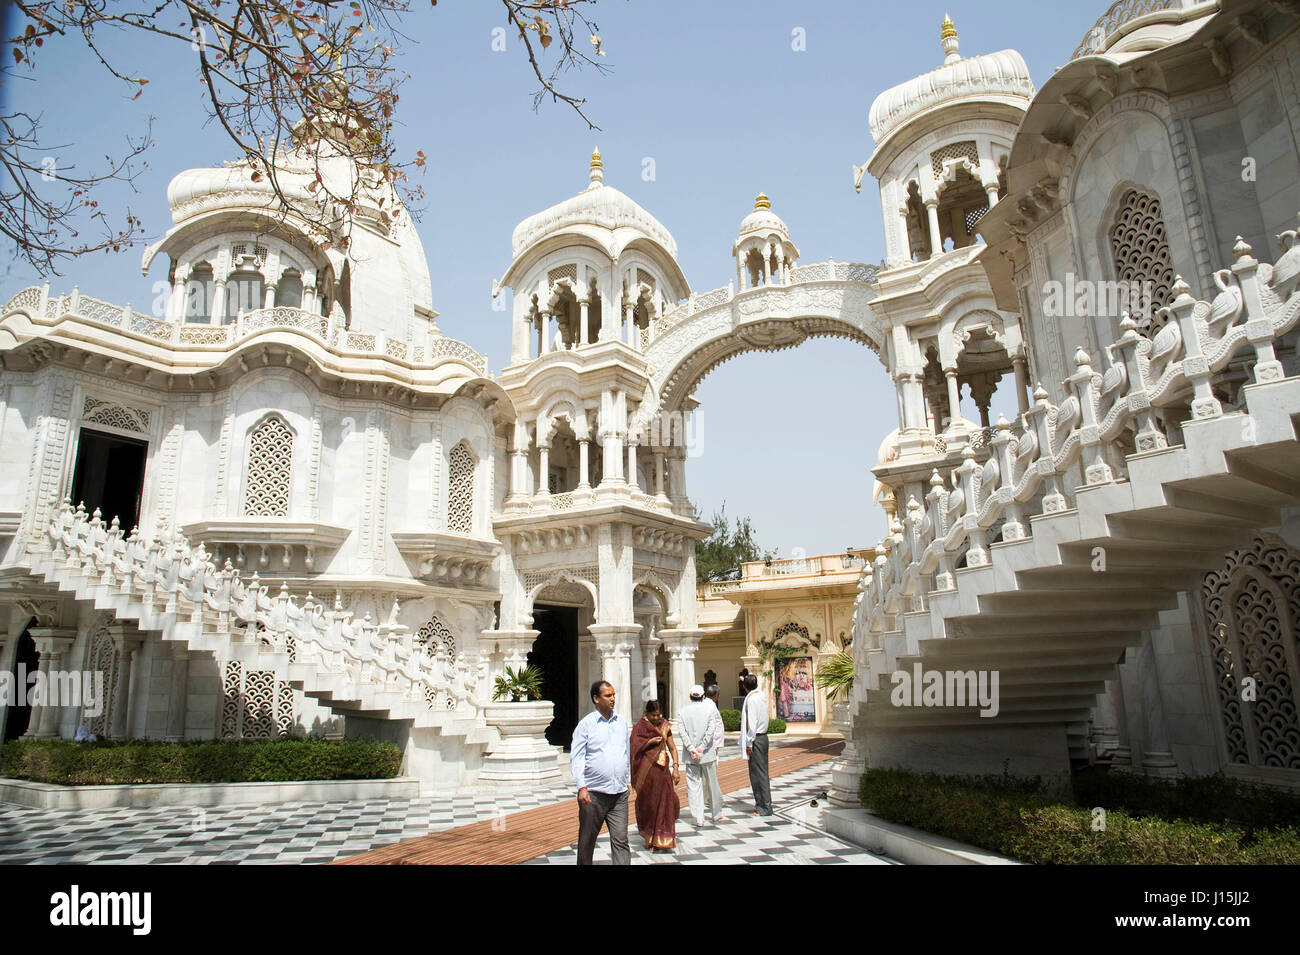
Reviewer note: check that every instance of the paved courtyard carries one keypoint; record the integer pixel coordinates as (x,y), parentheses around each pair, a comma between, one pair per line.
(316,833)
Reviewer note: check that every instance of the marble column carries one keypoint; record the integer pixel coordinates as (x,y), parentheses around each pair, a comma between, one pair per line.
(1022,382)
(51,644)
(178,695)
(128,645)
(615,642)
(954,395)
(992,191)
(905,249)
(584,322)
(936,237)
(681,645)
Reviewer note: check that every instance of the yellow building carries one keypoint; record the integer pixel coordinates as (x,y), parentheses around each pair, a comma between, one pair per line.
(782,619)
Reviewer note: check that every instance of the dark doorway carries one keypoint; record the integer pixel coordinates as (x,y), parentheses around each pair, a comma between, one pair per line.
(109,475)
(17,718)
(555,653)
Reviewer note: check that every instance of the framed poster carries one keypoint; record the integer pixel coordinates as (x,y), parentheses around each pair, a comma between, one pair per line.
(796,694)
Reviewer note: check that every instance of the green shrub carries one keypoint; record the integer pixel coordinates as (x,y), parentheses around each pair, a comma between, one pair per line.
(1020,818)
(1200,799)
(731,722)
(68,763)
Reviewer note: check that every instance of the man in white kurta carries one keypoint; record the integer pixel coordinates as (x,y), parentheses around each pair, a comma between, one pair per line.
(698,727)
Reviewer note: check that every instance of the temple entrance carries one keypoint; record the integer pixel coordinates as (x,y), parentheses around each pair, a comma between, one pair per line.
(555,653)
(109,475)
(17,718)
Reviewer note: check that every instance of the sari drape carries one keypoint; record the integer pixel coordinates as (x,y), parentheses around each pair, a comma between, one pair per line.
(653,756)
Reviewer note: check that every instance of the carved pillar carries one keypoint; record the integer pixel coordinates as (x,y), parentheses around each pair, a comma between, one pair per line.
(1022,382)
(584,322)
(936,237)
(954,395)
(543,332)
(128,646)
(614,642)
(178,697)
(991,189)
(681,645)
(905,247)
(660,496)
(51,644)
(649,673)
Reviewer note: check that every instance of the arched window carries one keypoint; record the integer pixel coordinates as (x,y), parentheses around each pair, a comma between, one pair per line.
(288,291)
(1252,614)
(1140,249)
(244,290)
(460,490)
(270,463)
(198,295)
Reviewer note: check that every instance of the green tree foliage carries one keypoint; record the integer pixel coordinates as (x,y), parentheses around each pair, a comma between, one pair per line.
(719,556)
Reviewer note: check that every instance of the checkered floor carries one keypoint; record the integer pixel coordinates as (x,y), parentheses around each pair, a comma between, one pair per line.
(322,832)
(744,839)
(279,834)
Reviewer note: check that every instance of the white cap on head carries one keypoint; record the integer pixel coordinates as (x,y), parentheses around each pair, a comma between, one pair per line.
(697,691)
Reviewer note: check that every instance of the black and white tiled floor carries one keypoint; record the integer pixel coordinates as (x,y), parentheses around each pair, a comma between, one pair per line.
(316,833)
(743,839)
(277,834)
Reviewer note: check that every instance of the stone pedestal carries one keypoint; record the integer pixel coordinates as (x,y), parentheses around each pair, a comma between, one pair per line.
(847,769)
(523,756)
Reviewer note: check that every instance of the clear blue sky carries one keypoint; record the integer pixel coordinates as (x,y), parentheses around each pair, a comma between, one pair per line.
(716,96)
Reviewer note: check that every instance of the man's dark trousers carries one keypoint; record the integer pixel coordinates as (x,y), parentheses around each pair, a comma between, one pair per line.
(758,775)
(612,811)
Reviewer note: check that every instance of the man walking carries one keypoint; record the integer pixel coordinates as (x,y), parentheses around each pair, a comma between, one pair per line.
(753,744)
(700,724)
(601,765)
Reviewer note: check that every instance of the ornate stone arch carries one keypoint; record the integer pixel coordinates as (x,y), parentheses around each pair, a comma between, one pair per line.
(654,583)
(556,577)
(268,467)
(1251,611)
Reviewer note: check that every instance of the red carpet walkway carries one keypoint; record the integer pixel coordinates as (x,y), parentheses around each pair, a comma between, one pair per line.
(526,835)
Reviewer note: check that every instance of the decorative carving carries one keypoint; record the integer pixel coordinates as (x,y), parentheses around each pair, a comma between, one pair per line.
(1252,613)
(460,490)
(268,474)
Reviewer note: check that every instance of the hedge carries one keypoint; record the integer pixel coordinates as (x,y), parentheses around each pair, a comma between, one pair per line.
(68,763)
(731,722)
(1021,819)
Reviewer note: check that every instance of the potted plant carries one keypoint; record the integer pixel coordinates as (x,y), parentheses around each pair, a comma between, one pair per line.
(518,686)
(520,717)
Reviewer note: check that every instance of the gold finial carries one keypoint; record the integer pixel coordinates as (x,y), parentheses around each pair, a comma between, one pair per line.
(762,202)
(595,159)
(949,28)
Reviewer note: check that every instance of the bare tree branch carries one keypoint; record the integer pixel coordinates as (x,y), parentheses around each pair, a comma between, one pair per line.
(305,89)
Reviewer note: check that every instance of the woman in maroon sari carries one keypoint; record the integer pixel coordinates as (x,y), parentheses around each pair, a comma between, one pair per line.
(655,772)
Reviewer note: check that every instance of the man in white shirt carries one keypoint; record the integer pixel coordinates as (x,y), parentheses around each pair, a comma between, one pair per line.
(601,766)
(753,744)
(699,725)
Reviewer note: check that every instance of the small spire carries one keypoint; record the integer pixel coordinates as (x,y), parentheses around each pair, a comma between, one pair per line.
(948,40)
(762,202)
(597,169)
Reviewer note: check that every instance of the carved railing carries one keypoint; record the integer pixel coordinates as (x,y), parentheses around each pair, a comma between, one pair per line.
(170,576)
(1117,16)
(1105,417)
(831,271)
(246,323)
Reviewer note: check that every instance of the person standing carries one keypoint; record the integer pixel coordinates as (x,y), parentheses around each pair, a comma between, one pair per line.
(753,744)
(656,770)
(601,765)
(700,723)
